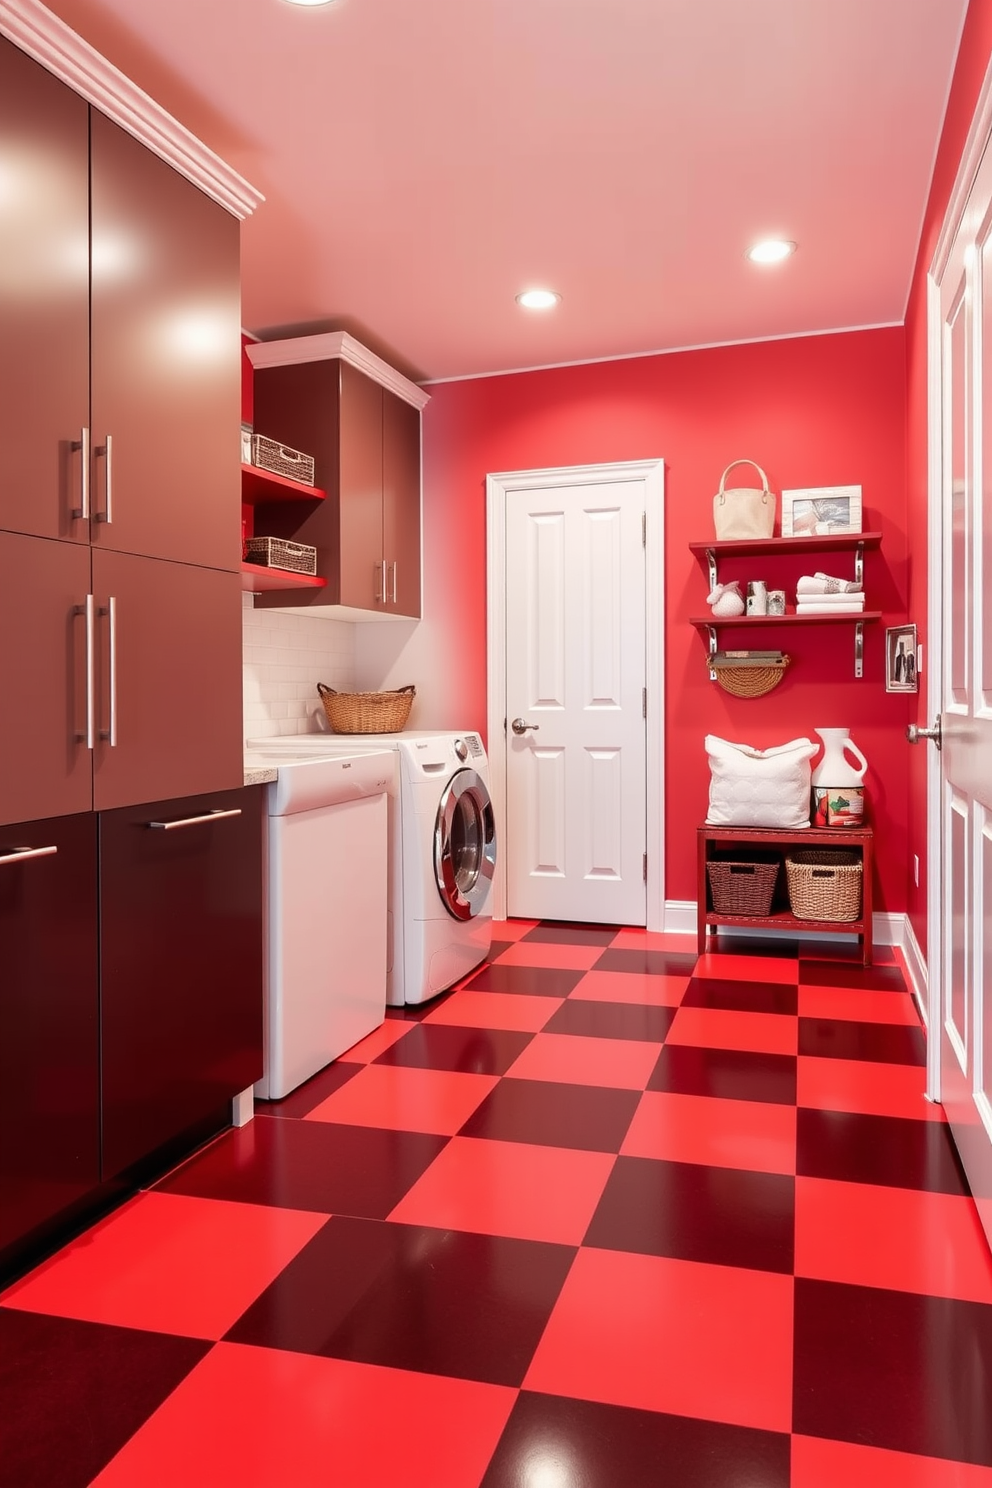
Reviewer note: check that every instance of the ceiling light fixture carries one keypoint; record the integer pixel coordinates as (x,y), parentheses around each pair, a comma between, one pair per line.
(771,251)
(308,2)
(538,299)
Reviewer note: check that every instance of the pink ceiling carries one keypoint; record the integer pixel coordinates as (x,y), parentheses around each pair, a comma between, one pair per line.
(424,162)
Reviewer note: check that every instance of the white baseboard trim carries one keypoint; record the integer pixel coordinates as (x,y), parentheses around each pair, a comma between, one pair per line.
(916,965)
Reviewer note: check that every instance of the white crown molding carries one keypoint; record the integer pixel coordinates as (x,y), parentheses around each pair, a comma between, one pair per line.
(338,345)
(43,36)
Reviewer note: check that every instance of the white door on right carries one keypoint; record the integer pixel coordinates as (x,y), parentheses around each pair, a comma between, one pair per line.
(575,676)
(963,933)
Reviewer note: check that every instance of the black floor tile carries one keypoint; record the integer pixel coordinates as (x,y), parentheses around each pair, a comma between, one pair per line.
(405,1297)
(72,1393)
(302,1100)
(562,1443)
(783,949)
(528,981)
(842,974)
(561,932)
(730,1074)
(722,1216)
(655,963)
(894,1369)
(879,1043)
(594,1119)
(744,997)
(313,1165)
(497,947)
(446,1046)
(889,1150)
(617,1020)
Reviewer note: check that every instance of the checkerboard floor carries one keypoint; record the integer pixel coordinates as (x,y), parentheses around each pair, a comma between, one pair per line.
(608,1213)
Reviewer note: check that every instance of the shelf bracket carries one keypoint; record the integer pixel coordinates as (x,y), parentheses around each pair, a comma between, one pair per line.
(859,649)
(711,566)
(711,632)
(859,567)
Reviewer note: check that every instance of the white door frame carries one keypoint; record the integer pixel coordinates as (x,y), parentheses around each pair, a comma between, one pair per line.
(978,138)
(652,472)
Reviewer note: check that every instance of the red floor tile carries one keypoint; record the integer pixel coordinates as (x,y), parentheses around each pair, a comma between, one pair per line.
(665,1335)
(631,986)
(820,1463)
(724,965)
(857,1085)
(512,929)
(468,1009)
(717,1028)
(381,1038)
(249,1416)
(538,953)
(170,1264)
(625,1064)
(721,1133)
(844,1232)
(404,1099)
(509,1188)
(857,1005)
(652,940)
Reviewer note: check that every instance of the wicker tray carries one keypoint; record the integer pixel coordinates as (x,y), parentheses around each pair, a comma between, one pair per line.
(367,712)
(268,454)
(749,681)
(278,552)
(824,885)
(743,886)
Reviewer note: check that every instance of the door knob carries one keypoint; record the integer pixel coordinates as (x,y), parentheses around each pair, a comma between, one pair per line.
(914,733)
(519,727)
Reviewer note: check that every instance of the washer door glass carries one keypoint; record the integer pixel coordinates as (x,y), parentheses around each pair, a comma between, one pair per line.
(464,845)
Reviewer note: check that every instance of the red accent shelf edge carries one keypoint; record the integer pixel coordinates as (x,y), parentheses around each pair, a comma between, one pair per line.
(743,547)
(258,579)
(261,486)
(745,622)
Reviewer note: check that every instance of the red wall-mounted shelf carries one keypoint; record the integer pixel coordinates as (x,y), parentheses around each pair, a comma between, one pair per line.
(261,486)
(259,579)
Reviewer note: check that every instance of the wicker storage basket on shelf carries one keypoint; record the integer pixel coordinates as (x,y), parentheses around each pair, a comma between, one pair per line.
(367,712)
(749,681)
(743,886)
(824,884)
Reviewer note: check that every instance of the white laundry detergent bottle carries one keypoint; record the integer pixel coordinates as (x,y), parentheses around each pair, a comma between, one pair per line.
(838,784)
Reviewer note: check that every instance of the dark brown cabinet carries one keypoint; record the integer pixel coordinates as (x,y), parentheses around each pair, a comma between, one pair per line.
(49,1021)
(181,966)
(365,440)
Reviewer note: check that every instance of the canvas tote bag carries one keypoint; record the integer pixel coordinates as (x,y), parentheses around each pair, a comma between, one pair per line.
(743,511)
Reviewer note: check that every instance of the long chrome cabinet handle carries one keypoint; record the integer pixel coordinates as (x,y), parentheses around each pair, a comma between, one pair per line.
(395,566)
(89,734)
(194,821)
(82,511)
(110,732)
(107,450)
(21,854)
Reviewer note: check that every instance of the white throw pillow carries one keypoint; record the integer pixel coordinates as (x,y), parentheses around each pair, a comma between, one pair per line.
(759,787)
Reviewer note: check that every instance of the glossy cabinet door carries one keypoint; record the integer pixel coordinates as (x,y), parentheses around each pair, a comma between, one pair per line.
(401,504)
(45,765)
(49,1029)
(168,680)
(44,299)
(363,575)
(166,360)
(181,949)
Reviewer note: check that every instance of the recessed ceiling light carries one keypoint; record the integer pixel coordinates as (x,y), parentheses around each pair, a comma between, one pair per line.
(308,2)
(538,299)
(771,251)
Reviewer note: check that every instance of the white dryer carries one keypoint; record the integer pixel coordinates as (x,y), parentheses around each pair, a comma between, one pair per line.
(442,841)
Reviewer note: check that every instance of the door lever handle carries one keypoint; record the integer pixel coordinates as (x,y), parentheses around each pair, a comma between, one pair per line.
(520,727)
(914,733)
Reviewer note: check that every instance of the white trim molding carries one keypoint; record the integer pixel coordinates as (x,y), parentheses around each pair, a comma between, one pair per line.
(336,344)
(652,472)
(43,36)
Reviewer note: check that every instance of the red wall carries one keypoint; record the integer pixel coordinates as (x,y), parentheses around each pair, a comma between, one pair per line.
(824,410)
(972,62)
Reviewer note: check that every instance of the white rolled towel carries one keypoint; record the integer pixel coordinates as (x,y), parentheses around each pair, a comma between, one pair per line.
(822,583)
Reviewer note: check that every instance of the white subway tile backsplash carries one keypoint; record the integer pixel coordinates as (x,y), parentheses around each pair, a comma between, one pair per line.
(285,656)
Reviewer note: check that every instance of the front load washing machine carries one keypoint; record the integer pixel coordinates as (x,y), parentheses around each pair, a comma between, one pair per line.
(443,853)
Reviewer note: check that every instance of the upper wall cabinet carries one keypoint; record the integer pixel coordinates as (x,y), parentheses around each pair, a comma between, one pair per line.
(119,335)
(332,398)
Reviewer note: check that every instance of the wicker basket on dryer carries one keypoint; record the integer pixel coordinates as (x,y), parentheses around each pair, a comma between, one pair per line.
(367,712)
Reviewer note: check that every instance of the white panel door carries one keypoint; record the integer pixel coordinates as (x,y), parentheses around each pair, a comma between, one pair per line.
(575,669)
(962,933)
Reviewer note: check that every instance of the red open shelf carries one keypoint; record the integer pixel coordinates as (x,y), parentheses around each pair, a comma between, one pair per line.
(261,486)
(259,579)
(745,622)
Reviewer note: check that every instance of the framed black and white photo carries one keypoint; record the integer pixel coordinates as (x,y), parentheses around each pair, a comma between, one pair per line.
(900,659)
(819,511)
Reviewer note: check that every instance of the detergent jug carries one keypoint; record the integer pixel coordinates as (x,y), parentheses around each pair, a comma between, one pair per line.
(838,784)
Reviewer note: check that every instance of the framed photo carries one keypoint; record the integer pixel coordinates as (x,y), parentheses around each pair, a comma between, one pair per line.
(900,659)
(820,511)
